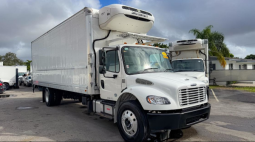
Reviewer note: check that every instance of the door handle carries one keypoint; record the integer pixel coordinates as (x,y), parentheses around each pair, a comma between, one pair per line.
(115,76)
(102,84)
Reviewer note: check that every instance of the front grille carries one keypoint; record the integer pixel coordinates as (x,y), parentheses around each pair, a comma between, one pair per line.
(191,96)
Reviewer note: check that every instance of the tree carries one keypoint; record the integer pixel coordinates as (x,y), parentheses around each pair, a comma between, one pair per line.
(216,44)
(27,63)
(160,45)
(231,55)
(10,59)
(251,56)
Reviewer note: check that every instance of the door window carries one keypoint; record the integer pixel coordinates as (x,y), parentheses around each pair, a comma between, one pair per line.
(112,61)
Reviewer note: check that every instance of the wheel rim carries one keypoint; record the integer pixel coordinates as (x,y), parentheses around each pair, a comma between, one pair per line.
(47,96)
(129,122)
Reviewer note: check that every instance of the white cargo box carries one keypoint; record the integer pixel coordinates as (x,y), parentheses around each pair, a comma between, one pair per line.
(8,74)
(22,69)
(63,58)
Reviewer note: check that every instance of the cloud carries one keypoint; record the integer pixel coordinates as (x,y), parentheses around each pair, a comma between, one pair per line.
(173,19)
(23,21)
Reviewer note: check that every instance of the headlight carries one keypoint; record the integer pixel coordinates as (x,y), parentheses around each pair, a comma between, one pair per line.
(205,81)
(155,100)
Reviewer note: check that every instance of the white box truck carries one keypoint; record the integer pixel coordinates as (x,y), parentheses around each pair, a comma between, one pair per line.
(8,76)
(104,58)
(191,58)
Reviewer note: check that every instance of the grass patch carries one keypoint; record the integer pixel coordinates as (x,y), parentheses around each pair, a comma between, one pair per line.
(249,89)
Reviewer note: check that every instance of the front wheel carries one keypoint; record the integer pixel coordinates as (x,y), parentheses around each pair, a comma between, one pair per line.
(132,122)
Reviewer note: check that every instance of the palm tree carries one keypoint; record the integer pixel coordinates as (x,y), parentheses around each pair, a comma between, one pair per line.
(216,44)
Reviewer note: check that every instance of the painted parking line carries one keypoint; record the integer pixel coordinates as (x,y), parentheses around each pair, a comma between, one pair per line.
(215,96)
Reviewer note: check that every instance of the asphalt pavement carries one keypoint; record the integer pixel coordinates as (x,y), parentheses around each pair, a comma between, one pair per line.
(23,117)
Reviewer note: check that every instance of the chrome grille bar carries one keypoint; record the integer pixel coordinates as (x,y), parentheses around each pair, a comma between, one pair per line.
(192,95)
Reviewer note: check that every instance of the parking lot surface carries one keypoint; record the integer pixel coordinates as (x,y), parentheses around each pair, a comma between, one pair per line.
(23,117)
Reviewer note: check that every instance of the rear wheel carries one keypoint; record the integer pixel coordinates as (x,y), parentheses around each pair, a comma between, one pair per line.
(7,86)
(49,97)
(57,97)
(43,95)
(132,122)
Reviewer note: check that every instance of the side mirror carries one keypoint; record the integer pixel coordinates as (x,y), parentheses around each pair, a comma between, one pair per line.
(101,69)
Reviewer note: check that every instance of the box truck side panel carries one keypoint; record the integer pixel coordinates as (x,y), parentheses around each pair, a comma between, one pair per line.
(60,57)
(22,69)
(8,74)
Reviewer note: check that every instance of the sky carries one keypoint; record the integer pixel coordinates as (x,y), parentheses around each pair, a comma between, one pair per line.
(22,21)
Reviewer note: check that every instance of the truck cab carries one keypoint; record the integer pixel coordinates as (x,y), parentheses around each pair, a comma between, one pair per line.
(190,58)
(143,74)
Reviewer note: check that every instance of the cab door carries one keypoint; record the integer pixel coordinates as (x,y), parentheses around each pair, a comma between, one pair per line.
(110,81)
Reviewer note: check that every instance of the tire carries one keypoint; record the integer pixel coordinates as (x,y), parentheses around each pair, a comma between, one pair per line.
(7,86)
(80,99)
(139,130)
(49,97)
(57,97)
(43,95)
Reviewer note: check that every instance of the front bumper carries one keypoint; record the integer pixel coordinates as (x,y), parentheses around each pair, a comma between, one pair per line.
(180,120)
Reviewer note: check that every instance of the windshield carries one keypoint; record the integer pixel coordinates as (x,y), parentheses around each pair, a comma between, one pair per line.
(21,73)
(144,59)
(188,65)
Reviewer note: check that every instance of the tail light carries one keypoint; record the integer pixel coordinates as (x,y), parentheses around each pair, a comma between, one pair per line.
(1,84)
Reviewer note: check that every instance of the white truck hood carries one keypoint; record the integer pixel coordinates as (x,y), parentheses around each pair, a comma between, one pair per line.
(168,83)
(167,78)
(196,75)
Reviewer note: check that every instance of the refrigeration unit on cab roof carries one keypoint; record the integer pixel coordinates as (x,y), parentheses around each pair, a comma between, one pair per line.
(125,19)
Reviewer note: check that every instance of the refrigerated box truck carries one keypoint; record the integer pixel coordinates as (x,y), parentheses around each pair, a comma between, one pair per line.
(104,58)
(191,58)
(8,76)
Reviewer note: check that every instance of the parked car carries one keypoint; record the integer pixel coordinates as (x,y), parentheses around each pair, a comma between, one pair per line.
(2,87)
(28,81)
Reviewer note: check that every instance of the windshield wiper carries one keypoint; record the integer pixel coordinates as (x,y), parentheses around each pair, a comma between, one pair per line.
(149,69)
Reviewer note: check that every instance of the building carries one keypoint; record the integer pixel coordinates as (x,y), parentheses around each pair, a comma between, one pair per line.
(233,64)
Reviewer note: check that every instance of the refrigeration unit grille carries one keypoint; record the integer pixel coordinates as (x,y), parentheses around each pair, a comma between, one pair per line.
(192,96)
(136,10)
